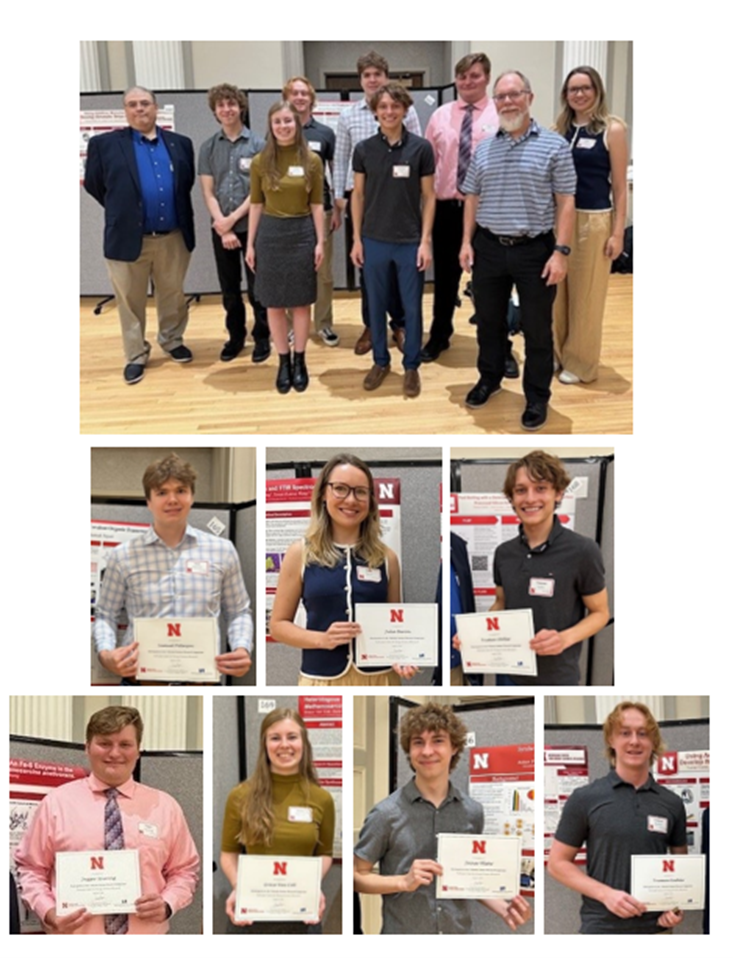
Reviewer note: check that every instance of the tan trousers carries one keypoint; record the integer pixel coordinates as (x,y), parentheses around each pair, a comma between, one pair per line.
(323,310)
(165,259)
(352,677)
(581,298)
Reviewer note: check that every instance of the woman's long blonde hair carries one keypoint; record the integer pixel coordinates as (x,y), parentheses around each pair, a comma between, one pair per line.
(268,163)
(258,815)
(319,544)
(600,117)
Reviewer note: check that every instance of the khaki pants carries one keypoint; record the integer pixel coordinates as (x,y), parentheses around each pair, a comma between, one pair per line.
(352,677)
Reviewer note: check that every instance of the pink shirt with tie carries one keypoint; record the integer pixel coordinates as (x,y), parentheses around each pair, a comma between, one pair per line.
(444,132)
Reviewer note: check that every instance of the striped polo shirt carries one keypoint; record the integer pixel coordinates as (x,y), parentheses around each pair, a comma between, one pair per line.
(516,181)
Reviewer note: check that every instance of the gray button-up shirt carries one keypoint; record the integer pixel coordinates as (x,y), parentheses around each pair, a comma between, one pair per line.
(402,828)
(228,162)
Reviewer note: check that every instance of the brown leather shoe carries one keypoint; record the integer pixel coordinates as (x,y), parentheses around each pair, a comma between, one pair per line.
(398,338)
(411,385)
(375,377)
(364,343)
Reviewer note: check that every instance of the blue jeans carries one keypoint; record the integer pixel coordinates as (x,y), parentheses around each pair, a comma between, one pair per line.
(505,680)
(380,259)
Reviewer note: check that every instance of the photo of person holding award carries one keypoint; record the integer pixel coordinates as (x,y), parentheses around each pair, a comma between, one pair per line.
(340,563)
(279,817)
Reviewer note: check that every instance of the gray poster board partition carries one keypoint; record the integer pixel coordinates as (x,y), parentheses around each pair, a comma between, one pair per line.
(420,530)
(562,906)
(239,526)
(594,518)
(180,774)
(236,731)
(493,723)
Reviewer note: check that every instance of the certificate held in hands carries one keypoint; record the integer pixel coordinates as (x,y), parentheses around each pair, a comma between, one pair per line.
(397,634)
(478,866)
(177,650)
(497,642)
(271,888)
(103,882)
(663,882)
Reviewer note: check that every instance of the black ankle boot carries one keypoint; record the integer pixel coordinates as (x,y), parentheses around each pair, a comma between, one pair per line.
(300,373)
(284,374)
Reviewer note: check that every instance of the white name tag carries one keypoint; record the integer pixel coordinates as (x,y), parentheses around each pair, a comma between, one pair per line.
(148,829)
(401,171)
(296,813)
(656,823)
(583,143)
(296,171)
(542,587)
(244,163)
(364,574)
(315,145)
(197,566)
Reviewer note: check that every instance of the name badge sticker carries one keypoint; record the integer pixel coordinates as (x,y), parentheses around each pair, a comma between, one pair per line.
(583,143)
(542,587)
(364,574)
(298,813)
(244,163)
(657,823)
(315,145)
(401,171)
(197,567)
(296,171)
(148,829)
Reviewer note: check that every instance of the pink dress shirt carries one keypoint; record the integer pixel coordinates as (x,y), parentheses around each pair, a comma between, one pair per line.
(444,133)
(71,818)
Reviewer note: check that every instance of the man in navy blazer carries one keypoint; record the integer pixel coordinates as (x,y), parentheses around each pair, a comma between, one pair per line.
(143,176)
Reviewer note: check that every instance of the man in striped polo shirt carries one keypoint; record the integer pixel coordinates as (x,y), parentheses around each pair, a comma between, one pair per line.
(518,220)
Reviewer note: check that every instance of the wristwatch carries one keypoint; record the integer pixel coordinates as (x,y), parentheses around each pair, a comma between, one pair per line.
(565,250)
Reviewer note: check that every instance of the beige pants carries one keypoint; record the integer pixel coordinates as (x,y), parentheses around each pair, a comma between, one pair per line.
(352,677)
(581,298)
(323,309)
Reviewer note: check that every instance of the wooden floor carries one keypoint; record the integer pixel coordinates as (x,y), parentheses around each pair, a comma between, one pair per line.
(208,396)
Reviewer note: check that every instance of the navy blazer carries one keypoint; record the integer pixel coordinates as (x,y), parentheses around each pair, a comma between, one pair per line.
(111,177)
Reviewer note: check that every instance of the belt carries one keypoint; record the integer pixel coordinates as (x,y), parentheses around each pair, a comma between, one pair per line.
(511,240)
(161,233)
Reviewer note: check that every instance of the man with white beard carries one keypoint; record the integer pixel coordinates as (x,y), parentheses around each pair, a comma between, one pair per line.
(518,221)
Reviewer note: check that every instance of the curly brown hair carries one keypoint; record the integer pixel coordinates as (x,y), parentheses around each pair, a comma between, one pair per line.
(433,718)
(539,466)
(170,467)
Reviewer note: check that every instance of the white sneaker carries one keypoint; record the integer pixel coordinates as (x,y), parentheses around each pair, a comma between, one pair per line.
(291,338)
(570,379)
(328,336)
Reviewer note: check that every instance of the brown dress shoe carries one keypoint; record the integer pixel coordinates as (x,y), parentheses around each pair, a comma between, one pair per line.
(364,343)
(411,385)
(398,337)
(375,377)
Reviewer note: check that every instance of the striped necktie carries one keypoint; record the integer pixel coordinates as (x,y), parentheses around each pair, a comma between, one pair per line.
(465,145)
(114,840)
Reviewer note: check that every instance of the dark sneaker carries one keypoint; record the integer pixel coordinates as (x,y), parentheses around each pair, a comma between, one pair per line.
(328,336)
(534,416)
(133,373)
(511,367)
(481,394)
(431,350)
(181,354)
(261,352)
(230,351)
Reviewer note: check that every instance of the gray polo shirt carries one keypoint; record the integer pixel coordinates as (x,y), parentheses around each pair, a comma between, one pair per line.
(617,821)
(516,180)
(551,580)
(228,162)
(402,828)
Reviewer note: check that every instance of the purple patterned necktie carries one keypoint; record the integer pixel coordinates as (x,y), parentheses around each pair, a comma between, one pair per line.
(114,840)
(465,145)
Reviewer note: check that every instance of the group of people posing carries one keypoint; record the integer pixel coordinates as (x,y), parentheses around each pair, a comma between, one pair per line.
(487,190)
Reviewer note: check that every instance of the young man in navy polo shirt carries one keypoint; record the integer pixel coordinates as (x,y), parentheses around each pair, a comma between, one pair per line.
(393,207)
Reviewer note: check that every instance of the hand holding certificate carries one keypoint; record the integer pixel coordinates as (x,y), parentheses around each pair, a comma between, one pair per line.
(177,650)
(478,866)
(394,634)
(664,882)
(497,642)
(103,882)
(271,888)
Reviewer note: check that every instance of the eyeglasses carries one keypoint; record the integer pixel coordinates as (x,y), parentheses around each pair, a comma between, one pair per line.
(513,96)
(341,491)
(575,90)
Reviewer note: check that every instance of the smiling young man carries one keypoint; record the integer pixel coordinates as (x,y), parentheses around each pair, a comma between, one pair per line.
(626,813)
(108,810)
(400,834)
(552,570)
(172,570)
(224,163)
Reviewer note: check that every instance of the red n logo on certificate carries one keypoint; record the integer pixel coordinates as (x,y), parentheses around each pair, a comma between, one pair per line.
(396,615)
(492,624)
(667,865)
(97,862)
(174,628)
(280,868)
(479,848)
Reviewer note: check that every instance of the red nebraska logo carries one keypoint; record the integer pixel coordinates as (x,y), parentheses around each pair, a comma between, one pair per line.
(280,868)
(667,866)
(492,624)
(396,615)
(97,862)
(174,628)
(479,848)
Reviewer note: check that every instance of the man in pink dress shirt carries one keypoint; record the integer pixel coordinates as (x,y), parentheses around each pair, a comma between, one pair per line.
(475,107)
(72,818)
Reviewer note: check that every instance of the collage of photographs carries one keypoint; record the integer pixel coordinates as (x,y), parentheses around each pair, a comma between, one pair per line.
(357,408)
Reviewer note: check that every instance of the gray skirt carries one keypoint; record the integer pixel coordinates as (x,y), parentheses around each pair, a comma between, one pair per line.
(285,274)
